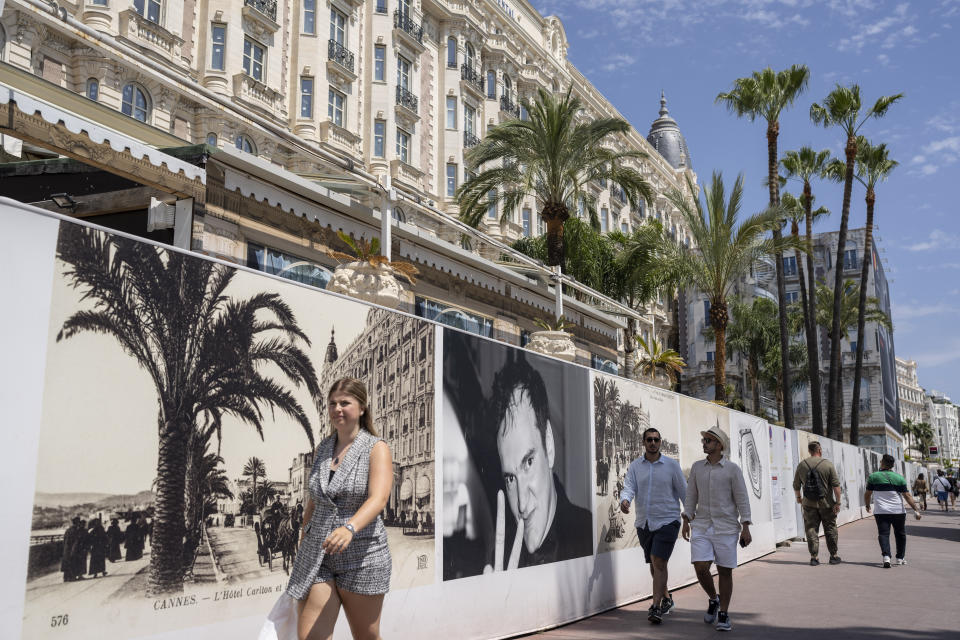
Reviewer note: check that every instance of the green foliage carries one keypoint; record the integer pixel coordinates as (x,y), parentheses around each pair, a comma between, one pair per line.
(654,358)
(849,300)
(560,324)
(766,93)
(369,252)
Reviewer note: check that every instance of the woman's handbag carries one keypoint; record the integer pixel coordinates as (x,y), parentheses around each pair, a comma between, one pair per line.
(281,623)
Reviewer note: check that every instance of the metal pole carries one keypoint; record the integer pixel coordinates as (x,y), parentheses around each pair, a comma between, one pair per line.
(386,219)
(558,287)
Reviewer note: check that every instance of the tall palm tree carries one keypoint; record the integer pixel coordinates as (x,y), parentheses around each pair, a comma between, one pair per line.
(907,429)
(804,165)
(655,360)
(873,165)
(771,371)
(253,469)
(202,349)
(765,94)
(725,247)
(842,109)
(553,157)
(753,330)
(924,433)
(606,399)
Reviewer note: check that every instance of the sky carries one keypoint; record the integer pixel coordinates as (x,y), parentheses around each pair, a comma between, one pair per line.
(694,49)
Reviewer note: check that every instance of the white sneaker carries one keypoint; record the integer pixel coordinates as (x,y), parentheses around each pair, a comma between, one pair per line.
(886,562)
(901,561)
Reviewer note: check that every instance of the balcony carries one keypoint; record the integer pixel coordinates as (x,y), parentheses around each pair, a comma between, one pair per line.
(339,137)
(409,30)
(340,61)
(150,35)
(472,79)
(258,95)
(263,12)
(407,100)
(508,107)
(470,140)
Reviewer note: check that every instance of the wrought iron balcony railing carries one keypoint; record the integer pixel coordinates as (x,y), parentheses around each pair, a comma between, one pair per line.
(403,22)
(266,7)
(470,140)
(508,107)
(407,99)
(340,54)
(472,76)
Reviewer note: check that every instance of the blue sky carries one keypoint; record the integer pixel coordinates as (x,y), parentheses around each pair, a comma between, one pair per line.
(694,49)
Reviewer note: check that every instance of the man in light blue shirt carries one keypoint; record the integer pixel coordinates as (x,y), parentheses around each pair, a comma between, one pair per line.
(656,483)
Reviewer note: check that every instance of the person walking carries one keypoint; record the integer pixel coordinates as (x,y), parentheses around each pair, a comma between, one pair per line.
(655,482)
(820,499)
(886,491)
(920,490)
(718,506)
(344,559)
(940,488)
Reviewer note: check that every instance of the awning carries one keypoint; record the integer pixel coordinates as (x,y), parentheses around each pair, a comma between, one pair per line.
(68,134)
(406,489)
(423,486)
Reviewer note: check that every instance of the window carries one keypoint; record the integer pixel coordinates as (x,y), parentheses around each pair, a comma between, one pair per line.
(149,9)
(604,214)
(218,35)
(469,58)
(853,346)
(507,88)
(581,207)
(306,97)
(451,179)
(451,112)
(286,266)
(212,139)
(380,62)
(403,145)
(403,6)
(525,221)
(335,101)
(469,116)
(381,6)
(379,134)
(338,23)
(524,114)
(253,57)
(403,73)
(452,52)
(540,225)
(454,317)
(710,356)
(792,296)
(789,266)
(706,309)
(624,227)
(135,103)
(310,16)
(602,364)
(850,259)
(93,88)
(492,204)
(492,84)
(245,144)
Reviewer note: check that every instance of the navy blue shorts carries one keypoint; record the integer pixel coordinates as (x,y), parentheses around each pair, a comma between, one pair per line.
(659,542)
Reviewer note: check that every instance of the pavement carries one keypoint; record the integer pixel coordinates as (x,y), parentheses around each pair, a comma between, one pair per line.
(781,596)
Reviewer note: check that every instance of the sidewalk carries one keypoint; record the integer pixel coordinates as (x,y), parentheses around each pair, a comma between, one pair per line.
(781,596)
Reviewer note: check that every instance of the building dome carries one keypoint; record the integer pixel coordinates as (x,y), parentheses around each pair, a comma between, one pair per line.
(666,138)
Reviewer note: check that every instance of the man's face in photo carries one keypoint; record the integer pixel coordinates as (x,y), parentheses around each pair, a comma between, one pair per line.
(651,442)
(527,463)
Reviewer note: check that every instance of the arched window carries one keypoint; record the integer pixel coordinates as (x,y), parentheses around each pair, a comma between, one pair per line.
(212,139)
(136,103)
(452,52)
(93,89)
(245,144)
(469,57)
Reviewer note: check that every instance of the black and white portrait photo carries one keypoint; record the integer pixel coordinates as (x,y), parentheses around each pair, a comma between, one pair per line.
(516,458)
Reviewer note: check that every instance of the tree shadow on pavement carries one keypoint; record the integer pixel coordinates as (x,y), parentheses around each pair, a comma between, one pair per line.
(950,534)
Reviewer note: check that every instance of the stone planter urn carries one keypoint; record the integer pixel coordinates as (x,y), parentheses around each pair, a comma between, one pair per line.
(367,282)
(558,344)
(658,379)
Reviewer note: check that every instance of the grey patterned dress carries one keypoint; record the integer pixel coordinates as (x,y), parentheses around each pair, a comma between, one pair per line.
(365,565)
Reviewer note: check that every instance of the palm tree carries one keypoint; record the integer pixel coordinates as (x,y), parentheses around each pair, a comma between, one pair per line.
(553,156)
(201,348)
(924,434)
(771,371)
(765,94)
(873,165)
(253,469)
(725,247)
(841,108)
(907,429)
(753,331)
(606,401)
(654,360)
(804,165)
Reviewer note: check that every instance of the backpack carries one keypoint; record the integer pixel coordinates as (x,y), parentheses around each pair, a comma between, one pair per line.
(813,484)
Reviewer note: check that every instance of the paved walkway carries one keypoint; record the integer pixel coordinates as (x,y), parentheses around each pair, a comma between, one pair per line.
(781,596)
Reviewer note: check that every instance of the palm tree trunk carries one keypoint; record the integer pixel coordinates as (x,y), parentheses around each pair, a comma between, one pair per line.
(810,322)
(630,349)
(773,183)
(554,239)
(861,321)
(753,369)
(166,546)
(719,319)
(835,384)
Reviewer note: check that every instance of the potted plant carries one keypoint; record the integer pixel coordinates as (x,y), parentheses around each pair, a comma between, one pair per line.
(552,340)
(367,275)
(656,365)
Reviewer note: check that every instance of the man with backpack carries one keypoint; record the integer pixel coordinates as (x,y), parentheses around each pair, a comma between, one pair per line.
(817,487)
(886,492)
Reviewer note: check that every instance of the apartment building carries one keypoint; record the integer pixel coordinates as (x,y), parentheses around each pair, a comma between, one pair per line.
(944,417)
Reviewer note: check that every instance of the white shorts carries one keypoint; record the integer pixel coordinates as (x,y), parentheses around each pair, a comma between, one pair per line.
(721,548)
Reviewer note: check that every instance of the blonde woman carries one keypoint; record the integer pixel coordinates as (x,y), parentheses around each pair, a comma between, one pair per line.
(343,559)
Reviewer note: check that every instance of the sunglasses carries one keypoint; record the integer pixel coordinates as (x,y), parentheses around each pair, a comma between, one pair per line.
(653,440)
(708,440)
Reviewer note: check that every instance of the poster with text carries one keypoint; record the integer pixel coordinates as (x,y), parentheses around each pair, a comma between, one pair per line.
(183,402)
(622,411)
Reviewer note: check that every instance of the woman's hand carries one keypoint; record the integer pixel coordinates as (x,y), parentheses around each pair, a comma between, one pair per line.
(338,540)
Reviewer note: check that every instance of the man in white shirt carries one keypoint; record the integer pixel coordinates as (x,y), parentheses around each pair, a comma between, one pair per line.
(656,483)
(717,504)
(941,488)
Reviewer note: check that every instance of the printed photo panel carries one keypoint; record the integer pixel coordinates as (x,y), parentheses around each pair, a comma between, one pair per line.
(516,458)
(622,411)
(697,416)
(183,404)
(749,448)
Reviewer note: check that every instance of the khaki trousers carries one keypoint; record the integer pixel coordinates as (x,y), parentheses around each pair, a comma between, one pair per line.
(813,517)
